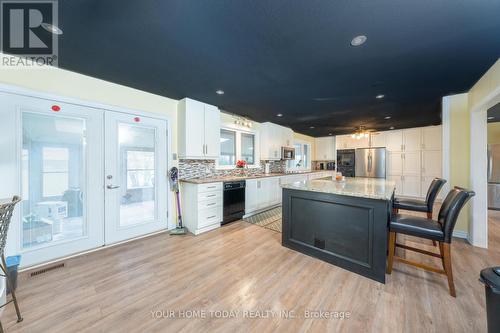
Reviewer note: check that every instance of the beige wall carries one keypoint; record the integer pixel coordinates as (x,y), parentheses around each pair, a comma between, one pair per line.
(461,107)
(494,133)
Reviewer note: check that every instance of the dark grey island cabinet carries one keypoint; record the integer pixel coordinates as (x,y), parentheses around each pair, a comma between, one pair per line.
(343,223)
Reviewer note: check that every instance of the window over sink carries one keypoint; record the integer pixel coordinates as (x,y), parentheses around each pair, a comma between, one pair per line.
(236,145)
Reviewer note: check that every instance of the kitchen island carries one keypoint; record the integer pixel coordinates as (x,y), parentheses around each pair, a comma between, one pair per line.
(343,223)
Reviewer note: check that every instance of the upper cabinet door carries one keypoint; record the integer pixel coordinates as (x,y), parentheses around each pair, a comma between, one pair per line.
(212,131)
(378,139)
(324,148)
(431,163)
(431,138)
(412,139)
(394,140)
(191,128)
(411,163)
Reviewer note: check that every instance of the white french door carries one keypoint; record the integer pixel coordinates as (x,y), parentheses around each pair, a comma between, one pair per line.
(87,177)
(53,158)
(136,176)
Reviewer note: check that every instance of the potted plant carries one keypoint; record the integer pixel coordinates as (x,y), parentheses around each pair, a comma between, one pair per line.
(240,164)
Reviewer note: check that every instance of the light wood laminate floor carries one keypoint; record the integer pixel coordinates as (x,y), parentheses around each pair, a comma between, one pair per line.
(244,267)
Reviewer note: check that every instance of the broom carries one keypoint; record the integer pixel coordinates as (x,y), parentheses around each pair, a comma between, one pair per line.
(174,186)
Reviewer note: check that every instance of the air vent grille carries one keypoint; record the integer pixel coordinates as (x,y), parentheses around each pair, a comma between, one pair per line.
(47,269)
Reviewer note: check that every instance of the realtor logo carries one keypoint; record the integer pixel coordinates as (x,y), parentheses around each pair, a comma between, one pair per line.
(29,32)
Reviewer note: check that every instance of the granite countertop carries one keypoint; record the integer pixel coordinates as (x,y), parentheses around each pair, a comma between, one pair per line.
(371,188)
(236,178)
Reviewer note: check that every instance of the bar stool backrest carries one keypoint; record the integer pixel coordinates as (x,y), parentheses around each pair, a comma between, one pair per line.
(450,209)
(432,192)
(6,210)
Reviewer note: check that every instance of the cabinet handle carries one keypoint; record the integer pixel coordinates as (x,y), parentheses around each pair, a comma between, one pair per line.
(211,195)
(211,204)
(211,186)
(211,217)
(402,148)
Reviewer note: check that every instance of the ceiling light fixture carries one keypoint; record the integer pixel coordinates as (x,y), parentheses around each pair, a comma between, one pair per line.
(392,127)
(360,133)
(387,117)
(489,118)
(358,40)
(330,134)
(311,127)
(279,115)
(52,28)
(219,92)
(243,122)
(380,96)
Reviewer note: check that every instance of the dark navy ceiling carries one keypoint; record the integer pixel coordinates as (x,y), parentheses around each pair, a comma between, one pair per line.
(289,56)
(494,114)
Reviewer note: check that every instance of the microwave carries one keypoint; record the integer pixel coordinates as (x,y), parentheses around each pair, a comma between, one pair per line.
(287,153)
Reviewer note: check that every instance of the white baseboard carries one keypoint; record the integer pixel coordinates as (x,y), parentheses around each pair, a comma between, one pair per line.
(460,234)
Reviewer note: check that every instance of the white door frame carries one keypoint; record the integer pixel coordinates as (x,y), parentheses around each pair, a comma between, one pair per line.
(478,226)
(21,91)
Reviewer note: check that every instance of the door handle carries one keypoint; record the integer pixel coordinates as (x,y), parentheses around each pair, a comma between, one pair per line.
(112,187)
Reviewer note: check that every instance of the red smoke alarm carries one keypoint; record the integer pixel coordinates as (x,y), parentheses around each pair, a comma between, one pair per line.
(56,108)
(137,119)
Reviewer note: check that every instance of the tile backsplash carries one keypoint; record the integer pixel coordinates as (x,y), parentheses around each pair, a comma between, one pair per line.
(206,168)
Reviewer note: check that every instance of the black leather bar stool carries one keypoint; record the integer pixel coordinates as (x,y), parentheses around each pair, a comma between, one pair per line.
(440,231)
(420,205)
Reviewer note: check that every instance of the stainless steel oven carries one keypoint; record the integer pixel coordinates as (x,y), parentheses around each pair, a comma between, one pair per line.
(287,153)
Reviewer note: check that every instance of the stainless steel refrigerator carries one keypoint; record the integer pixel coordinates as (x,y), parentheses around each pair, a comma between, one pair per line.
(370,162)
(494,176)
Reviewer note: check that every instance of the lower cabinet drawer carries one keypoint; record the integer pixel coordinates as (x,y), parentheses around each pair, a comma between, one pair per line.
(209,187)
(209,216)
(210,195)
(210,203)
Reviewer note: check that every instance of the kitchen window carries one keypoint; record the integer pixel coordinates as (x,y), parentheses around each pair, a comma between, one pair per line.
(236,145)
(302,159)
(227,147)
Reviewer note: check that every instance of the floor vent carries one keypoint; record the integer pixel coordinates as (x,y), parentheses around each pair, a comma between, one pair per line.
(45,270)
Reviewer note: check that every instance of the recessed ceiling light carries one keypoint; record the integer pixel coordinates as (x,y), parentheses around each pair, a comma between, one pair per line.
(489,118)
(311,127)
(380,96)
(279,115)
(52,28)
(388,117)
(219,92)
(392,127)
(358,40)
(330,134)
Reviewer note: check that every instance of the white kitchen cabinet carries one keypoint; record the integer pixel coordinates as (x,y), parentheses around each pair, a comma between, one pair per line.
(363,142)
(272,138)
(431,163)
(201,206)
(411,186)
(348,142)
(378,139)
(411,163)
(412,139)
(394,140)
(394,164)
(432,138)
(341,142)
(199,130)
(262,193)
(399,183)
(325,148)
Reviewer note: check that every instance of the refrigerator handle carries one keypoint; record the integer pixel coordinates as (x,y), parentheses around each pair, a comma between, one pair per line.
(369,162)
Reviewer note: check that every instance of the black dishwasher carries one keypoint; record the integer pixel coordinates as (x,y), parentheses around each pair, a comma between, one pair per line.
(234,201)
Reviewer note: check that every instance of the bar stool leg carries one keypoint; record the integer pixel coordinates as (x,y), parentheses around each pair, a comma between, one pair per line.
(429,216)
(392,249)
(447,267)
(13,293)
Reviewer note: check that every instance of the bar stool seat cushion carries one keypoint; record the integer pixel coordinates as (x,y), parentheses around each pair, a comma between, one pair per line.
(409,204)
(417,226)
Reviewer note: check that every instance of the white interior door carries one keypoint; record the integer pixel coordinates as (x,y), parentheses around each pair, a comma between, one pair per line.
(136,182)
(52,154)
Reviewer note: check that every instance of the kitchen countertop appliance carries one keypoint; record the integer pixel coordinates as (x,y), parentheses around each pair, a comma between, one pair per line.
(370,162)
(494,176)
(346,161)
(234,201)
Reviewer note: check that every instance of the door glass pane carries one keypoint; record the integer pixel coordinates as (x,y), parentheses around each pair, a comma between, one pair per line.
(53,179)
(227,147)
(138,190)
(247,148)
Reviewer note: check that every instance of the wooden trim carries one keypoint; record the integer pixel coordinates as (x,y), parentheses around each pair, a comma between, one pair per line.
(406,247)
(392,250)
(419,265)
